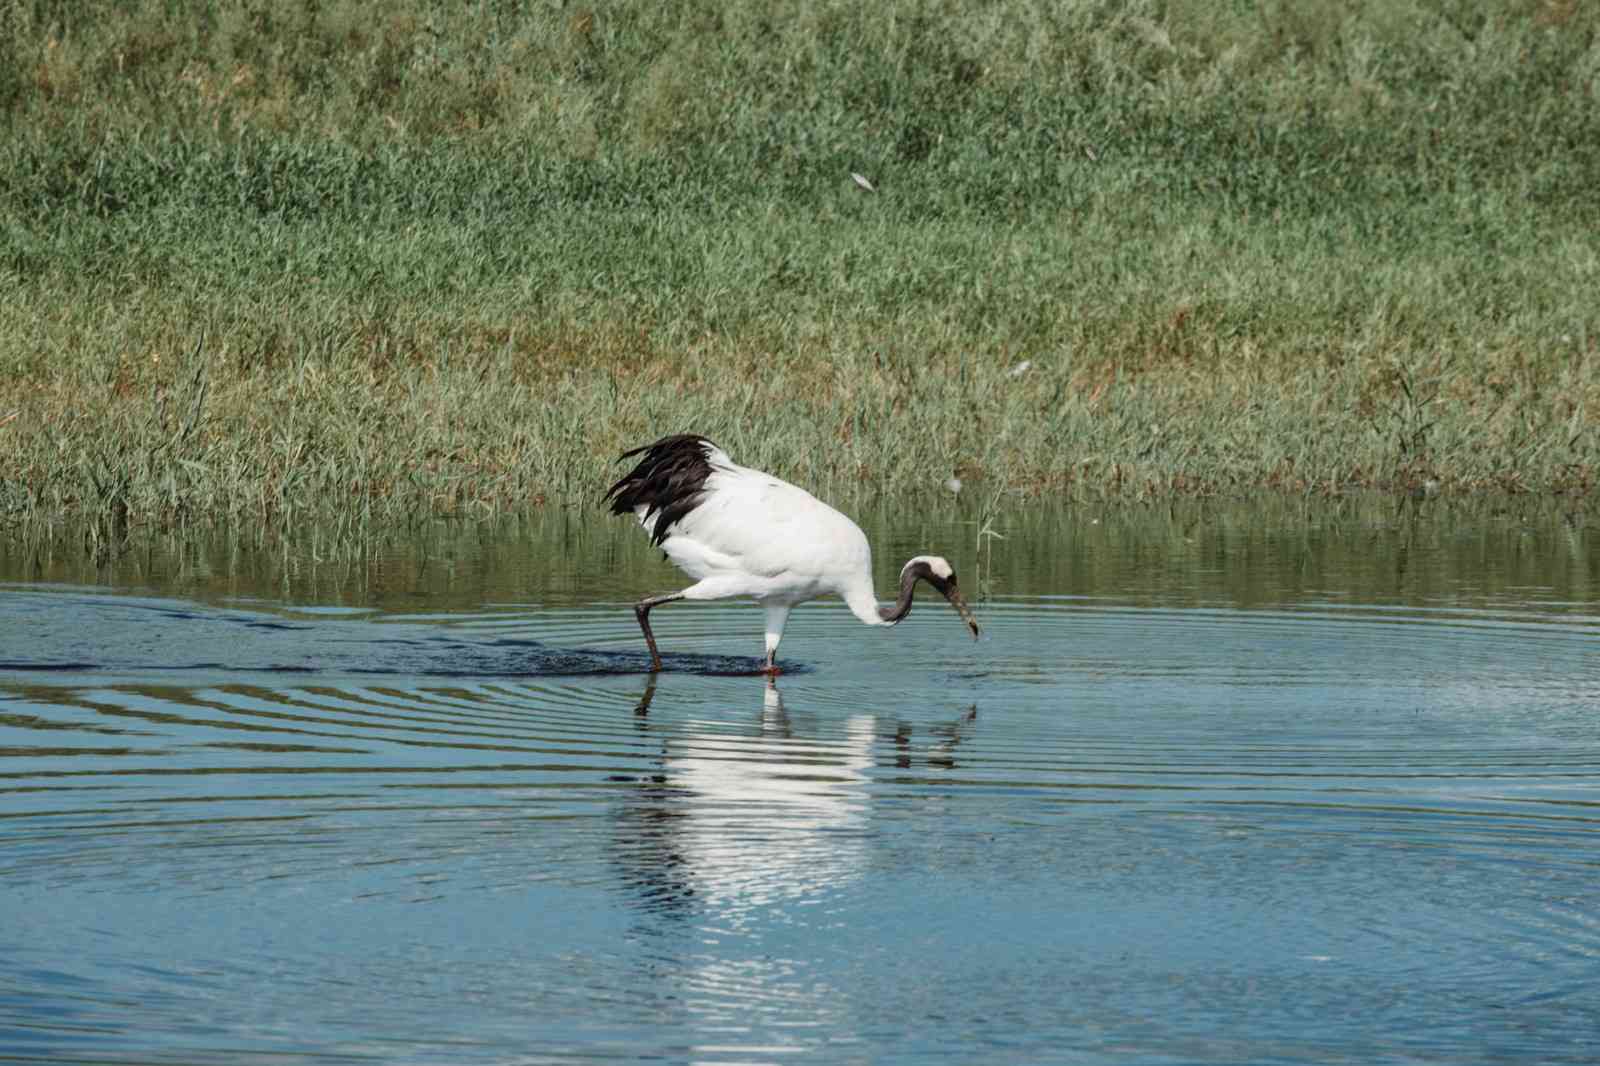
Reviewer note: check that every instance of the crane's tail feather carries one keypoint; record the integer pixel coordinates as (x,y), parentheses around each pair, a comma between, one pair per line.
(669,482)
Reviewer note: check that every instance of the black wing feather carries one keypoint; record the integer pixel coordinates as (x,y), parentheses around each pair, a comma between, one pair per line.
(669,480)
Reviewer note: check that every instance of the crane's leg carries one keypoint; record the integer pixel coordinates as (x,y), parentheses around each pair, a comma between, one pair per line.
(777,615)
(641,611)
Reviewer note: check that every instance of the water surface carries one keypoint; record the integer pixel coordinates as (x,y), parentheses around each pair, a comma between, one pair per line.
(1290,784)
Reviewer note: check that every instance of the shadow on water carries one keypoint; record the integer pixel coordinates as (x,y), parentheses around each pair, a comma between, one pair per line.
(89,632)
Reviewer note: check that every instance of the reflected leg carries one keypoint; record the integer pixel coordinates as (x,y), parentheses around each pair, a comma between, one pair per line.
(642,708)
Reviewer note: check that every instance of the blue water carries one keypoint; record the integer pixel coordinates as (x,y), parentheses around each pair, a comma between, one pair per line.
(1324,829)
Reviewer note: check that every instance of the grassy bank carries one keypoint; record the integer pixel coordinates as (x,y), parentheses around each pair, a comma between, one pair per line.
(260,264)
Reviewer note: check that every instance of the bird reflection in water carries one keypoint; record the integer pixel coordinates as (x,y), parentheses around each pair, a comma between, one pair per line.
(942,756)
(757,815)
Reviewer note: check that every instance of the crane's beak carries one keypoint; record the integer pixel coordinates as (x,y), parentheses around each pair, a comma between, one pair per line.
(951,593)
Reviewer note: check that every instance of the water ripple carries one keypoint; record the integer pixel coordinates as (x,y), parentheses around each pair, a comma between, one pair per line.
(1179,805)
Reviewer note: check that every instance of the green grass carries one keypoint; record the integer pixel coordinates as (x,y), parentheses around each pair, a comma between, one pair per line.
(263,264)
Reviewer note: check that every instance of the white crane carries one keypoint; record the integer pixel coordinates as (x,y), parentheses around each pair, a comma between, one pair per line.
(741,532)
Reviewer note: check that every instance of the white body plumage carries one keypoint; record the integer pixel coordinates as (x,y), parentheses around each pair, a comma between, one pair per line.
(759,536)
(743,532)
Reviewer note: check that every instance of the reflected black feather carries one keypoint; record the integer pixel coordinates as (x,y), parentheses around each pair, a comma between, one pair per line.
(670,481)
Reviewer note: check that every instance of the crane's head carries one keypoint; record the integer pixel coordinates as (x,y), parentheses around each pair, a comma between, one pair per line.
(937,571)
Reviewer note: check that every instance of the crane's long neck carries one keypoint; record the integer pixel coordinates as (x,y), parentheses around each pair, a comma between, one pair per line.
(863,603)
(901,607)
